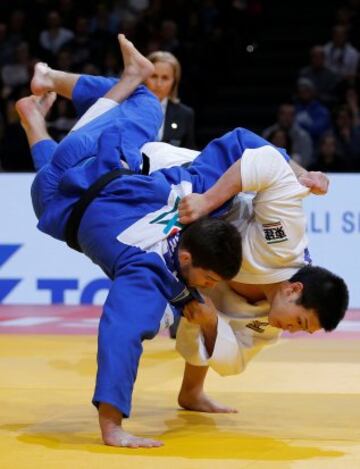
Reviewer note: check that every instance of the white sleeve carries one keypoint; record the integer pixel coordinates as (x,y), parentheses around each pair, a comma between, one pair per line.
(100,106)
(261,168)
(163,155)
(233,348)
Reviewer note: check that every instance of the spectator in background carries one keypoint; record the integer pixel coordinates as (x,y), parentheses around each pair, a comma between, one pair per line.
(14,151)
(169,41)
(62,119)
(354,6)
(323,78)
(6,48)
(208,15)
(54,37)
(110,66)
(301,143)
(90,69)
(280,138)
(68,10)
(327,157)
(104,20)
(340,56)
(178,125)
(17,27)
(64,60)
(18,72)
(311,115)
(352,102)
(346,16)
(81,46)
(347,135)
(103,26)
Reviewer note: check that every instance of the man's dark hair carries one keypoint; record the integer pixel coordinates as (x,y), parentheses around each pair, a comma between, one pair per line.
(324,292)
(215,245)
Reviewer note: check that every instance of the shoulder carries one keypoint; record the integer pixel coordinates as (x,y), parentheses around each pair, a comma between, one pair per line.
(269,130)
(181,108)
(353,51)
(298,132)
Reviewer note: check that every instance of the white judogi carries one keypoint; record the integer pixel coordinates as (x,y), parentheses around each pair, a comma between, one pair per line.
(272,224)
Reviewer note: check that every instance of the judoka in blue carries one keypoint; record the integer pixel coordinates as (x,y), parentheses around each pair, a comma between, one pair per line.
(130,230)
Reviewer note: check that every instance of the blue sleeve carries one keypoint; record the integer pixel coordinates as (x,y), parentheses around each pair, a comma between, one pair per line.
(42,152)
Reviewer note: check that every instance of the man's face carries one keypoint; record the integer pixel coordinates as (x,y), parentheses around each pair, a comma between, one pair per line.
(305,93)
(196,277)
(287,315)
(317,57)
(286,116)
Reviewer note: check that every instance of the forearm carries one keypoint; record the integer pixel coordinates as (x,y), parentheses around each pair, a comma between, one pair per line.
(225,188)
(316,181)
(209,331)
(194,206)
(298,170)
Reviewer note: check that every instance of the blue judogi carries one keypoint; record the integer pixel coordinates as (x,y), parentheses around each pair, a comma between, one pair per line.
(128,230)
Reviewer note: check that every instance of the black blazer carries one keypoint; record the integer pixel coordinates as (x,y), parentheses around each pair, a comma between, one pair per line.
(179,125)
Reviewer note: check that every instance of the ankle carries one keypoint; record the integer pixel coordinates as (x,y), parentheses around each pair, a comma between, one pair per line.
(191,391)
(109,415)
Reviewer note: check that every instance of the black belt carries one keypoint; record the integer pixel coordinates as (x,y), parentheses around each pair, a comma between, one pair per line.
(73,223)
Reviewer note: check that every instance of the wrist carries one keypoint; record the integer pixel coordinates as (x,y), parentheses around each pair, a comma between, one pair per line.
(209,204)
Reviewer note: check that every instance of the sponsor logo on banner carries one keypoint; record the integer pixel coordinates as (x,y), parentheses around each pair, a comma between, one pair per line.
(7,285)
(57,287)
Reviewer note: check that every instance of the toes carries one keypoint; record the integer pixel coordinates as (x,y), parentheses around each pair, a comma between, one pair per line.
(141,444)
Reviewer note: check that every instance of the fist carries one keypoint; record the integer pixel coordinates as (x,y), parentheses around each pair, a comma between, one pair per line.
(191,208)
(202,314)
(316,181)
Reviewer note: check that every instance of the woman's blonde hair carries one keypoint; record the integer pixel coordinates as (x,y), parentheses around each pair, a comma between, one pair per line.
(168,57)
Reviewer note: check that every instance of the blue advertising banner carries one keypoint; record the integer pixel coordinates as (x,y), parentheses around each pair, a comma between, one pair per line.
(35,269)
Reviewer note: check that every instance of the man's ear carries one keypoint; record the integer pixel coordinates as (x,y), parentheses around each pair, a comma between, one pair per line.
(296,287)
(184,257)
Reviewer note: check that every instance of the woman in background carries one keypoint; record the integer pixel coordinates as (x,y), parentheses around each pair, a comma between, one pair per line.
(178,125)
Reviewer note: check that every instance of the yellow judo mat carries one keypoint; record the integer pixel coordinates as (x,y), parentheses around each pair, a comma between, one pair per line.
(298,402)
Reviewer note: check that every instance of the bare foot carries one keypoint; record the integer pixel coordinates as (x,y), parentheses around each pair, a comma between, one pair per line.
(200,402)
(41,82)
(135,64)
(118,437)
(110,420)
(33,109)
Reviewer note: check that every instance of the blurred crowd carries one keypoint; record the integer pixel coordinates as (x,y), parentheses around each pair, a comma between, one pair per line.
(319,125)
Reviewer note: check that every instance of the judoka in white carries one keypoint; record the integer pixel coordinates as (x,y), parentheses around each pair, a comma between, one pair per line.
(260,302)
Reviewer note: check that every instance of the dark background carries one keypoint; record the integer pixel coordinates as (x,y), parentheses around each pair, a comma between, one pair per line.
(240,58)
